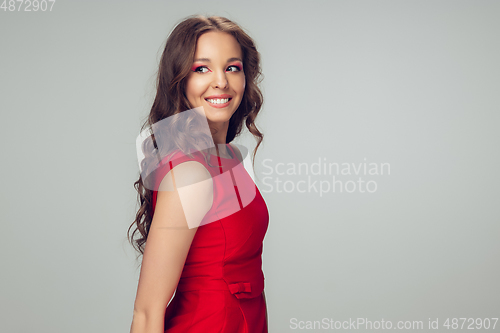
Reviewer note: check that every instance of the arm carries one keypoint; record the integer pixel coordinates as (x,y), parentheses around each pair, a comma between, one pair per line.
(267,322)
(170,236)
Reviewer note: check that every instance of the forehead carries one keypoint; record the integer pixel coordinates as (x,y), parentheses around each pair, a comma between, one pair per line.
(217,46)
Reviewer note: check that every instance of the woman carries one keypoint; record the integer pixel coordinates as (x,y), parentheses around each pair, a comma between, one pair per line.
(202,216)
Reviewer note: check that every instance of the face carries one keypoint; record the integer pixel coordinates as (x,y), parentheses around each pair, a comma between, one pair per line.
(216,81)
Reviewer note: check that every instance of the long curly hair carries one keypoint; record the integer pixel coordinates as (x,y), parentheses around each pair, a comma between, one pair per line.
(175,66)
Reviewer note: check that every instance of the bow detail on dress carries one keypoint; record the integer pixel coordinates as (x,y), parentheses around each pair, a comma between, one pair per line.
(241,287)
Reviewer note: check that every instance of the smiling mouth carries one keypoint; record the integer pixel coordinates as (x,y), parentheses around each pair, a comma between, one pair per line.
(218,100)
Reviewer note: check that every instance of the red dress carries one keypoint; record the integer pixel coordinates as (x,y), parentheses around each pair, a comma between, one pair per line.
(222,283)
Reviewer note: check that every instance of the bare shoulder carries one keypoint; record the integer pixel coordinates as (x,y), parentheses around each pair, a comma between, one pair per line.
(184,174)
(237,151)
(185,195)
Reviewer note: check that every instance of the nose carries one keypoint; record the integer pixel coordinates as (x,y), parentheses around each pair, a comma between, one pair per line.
(220,80)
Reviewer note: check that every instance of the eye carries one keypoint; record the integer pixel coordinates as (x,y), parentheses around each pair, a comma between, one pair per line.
(238,68)
(198,69)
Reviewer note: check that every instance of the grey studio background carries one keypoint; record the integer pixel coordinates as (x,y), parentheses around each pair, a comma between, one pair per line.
(413,84)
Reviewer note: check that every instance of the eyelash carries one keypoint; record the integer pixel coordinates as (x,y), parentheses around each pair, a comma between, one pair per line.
(196,69)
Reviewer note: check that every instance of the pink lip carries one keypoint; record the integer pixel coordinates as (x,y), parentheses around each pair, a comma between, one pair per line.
(219,96)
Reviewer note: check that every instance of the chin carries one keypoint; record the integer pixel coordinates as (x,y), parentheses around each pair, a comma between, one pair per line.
(220,118)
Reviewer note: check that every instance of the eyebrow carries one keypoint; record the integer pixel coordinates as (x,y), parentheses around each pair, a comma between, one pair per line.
(228,60)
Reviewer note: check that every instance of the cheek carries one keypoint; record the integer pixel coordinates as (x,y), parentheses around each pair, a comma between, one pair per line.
(192,90)
(241,83)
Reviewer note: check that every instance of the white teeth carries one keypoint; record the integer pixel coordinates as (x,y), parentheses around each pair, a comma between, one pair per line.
(218,101)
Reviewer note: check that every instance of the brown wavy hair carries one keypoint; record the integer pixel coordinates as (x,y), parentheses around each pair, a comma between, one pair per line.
(175,66)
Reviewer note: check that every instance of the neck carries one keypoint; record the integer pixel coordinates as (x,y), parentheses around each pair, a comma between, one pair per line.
(219,135)
(219,132)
